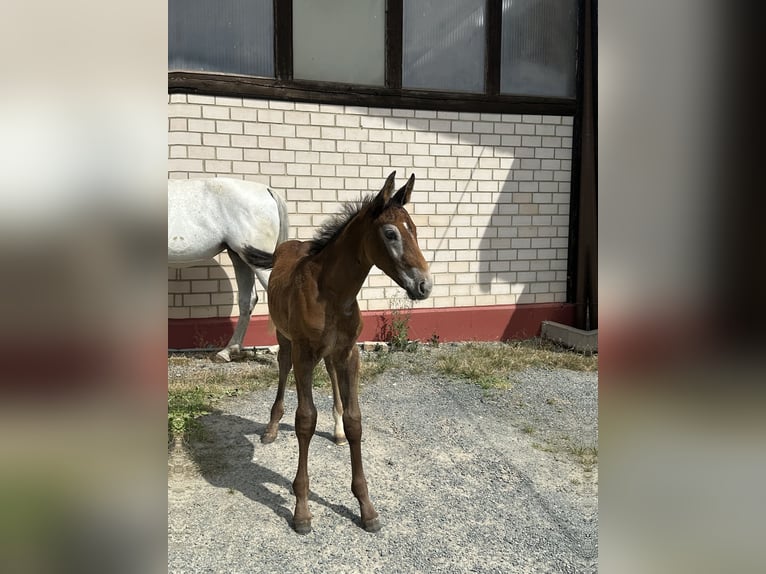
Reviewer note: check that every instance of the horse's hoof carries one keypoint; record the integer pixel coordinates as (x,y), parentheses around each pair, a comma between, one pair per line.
(340,440)
(268,438)
(303,527)
(372,525)
(222,357)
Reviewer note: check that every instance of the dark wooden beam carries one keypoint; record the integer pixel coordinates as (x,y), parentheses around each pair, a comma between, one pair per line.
(283,39)
(493,56)
(344,94)
(394,38)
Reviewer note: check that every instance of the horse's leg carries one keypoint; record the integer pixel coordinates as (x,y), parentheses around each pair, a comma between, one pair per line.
(347,366)
(304,362)
(337,404)
(284,358)
(246,298)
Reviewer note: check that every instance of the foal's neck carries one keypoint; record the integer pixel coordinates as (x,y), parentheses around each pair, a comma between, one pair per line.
(345,264)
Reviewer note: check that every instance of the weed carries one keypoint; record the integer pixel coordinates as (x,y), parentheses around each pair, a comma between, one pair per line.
(395,328)
(184,406)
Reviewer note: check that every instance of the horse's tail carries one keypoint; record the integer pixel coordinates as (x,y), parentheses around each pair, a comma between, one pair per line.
(284,220)
(258,258)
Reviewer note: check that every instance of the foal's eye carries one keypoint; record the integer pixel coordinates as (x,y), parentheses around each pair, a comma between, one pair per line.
(390,234)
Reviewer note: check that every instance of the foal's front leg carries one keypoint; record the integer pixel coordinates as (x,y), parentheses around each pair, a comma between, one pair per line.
(304,362)
(347,366)
(285,361)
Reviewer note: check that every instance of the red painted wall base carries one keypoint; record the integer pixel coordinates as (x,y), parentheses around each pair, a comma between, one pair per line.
(495,323)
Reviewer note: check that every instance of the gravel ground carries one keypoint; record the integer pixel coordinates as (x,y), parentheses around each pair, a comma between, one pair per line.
(464,479)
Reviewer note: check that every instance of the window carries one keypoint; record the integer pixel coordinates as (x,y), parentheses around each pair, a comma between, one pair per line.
(502,56)
(538,47)
(444,40)
(339,41)
(230,36)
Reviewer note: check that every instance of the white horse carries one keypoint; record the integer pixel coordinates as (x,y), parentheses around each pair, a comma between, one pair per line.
(206,216)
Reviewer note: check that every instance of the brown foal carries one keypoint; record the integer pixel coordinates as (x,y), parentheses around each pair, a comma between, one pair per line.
(312,302)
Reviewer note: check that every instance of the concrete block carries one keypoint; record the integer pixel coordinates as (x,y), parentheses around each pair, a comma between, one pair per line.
(570,337)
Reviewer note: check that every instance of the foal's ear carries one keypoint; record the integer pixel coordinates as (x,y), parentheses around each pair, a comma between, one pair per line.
(384,195)
(402,196)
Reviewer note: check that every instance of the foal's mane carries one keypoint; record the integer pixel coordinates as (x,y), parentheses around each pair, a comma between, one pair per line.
(333,227)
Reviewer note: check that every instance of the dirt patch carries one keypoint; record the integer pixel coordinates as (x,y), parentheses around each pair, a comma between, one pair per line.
(465,479)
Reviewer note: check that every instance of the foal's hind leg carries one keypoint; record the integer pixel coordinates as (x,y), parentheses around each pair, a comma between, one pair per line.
(304,361)
(337,404)
(347,366)
(246,298)
(284,358)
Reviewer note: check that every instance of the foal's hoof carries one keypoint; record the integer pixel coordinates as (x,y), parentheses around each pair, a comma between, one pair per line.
(372,525)
(268,438)
(222,356)
(302,527)
(340,440)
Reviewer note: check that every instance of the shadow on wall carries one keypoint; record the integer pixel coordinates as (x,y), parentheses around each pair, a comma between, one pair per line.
(204,292)
(498,258)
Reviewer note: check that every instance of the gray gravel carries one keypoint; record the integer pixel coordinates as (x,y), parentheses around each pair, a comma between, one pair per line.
(465,480)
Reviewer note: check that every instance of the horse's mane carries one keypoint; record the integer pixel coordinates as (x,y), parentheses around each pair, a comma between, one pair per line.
(335,225)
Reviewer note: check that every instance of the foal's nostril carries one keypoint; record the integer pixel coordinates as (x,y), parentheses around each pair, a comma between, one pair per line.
(424,288)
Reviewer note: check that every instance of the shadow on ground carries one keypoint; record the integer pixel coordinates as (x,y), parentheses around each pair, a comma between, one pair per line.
(224,455)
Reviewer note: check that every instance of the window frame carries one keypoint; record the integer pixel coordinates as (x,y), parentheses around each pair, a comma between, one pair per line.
(284,87)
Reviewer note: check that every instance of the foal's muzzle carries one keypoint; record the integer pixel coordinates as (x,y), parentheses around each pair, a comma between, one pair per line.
(418,288)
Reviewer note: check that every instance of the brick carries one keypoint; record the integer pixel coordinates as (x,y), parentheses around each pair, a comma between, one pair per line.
(282,156)
(228,127)
(269,168)
(332,133)
(322,119)
(425,137)
(372,122)
(245,167)
(256,129)
(297,117)
(177,124)
(307,131)
(256,154)
(281,130)
(191,300)
(217,166)
(201,125)
(322,145)
(281,105)
(379,135)
(244,114)
(201,152)
(178,151)
(298,169)
(347,146)
(330,158)
(185,111)
(303,144)
(271,142)
(226,101)
(373,147)
(347,121)
(545,130)
(185,165)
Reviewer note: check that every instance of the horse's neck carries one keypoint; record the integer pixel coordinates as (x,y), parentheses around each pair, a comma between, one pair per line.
(345,265)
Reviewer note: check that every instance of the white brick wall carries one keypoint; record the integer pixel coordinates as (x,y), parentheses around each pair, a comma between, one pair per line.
(491,199)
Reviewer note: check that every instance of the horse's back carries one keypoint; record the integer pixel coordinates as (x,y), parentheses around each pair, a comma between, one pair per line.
(207,215)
